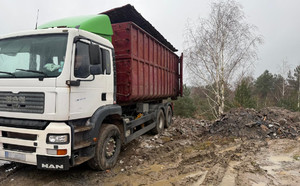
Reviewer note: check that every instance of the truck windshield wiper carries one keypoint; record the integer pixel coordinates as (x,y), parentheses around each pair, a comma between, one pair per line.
(9,73)
(34,71)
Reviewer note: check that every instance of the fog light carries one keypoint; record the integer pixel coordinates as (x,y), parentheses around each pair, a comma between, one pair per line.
(58,138)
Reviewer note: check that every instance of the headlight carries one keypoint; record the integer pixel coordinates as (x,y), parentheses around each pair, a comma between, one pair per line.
(58,138)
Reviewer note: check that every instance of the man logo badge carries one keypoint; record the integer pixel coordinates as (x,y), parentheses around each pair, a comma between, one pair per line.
(15,99)
(51,166)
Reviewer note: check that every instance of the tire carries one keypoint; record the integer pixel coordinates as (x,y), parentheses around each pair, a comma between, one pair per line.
(107,149)
(160,122)
(169,120)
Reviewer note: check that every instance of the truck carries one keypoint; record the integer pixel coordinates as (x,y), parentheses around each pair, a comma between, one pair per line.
(75,90)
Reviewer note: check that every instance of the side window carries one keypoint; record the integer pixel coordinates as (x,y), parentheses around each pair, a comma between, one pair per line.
(106,61)
(82,60)
(101,61)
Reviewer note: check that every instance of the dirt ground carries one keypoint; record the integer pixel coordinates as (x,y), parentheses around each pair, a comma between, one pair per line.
(193,152)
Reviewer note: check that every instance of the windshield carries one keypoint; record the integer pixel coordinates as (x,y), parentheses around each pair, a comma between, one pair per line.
(32,56)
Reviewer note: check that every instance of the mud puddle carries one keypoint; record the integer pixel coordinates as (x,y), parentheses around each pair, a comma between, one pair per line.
(281,161)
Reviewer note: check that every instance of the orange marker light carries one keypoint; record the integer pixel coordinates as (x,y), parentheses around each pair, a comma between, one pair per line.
(95,139)
(61,152)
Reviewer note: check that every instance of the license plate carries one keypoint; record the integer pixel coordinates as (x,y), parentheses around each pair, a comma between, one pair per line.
(15,156)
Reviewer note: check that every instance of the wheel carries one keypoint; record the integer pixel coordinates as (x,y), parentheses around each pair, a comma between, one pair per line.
(160,122)
(169,117)
(107,149)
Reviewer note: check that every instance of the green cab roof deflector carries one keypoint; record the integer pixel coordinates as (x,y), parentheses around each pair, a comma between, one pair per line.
(97,24)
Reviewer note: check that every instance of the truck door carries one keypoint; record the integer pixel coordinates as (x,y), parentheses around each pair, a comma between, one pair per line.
(90,91)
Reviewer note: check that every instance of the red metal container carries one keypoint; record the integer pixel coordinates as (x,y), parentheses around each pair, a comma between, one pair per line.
(146,69)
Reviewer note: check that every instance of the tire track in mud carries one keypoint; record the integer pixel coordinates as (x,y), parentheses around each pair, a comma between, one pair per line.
(220,166)
(209,161)
(175,157)
(217,164)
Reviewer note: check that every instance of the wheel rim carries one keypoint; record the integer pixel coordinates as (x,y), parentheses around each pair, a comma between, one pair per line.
(110,147)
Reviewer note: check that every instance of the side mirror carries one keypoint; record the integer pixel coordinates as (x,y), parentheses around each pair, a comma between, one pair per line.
(95,54)
(95,69)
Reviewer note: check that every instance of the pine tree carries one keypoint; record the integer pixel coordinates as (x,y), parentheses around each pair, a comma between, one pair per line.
(264,85)
(185,106)
(243,95)
(294,85)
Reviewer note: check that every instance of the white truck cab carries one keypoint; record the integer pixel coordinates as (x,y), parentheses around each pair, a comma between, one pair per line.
(37,70)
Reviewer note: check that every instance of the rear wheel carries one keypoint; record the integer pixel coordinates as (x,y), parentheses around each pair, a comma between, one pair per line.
(160,122)
(107,149)
(169,117)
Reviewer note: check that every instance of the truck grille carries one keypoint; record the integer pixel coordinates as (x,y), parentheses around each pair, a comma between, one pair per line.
(19,136)
(27,102)
(16,135)
(19,148)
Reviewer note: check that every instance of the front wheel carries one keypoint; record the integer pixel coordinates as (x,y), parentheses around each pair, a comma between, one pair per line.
(107,149)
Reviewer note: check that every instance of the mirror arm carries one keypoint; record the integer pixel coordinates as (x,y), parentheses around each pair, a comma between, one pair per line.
(77,82)
(86,79)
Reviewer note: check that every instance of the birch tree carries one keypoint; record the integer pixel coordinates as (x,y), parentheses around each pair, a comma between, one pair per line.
(218,48)
(283,71)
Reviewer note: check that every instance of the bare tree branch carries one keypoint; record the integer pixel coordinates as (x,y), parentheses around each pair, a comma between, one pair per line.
(218,48)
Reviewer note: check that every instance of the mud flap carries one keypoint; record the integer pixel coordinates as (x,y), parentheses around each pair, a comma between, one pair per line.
(53,163)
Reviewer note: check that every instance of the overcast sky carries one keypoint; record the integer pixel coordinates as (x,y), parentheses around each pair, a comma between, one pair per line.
(278,21)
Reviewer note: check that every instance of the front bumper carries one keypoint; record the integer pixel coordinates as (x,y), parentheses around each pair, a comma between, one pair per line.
(29,145)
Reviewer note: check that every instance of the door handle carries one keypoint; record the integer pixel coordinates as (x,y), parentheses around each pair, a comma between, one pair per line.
(103,96)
